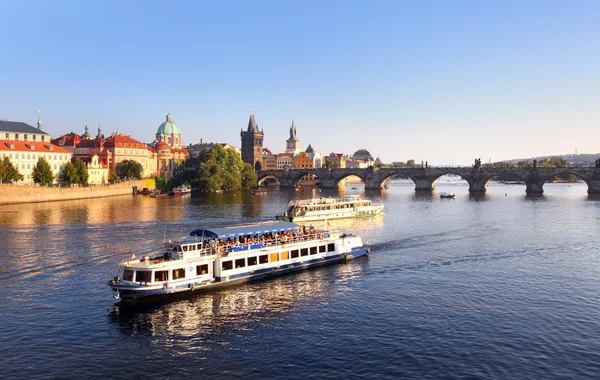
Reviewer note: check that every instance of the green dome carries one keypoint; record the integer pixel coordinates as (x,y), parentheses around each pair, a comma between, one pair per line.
(168,127)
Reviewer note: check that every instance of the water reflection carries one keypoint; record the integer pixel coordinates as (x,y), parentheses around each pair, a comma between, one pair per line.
(207,316)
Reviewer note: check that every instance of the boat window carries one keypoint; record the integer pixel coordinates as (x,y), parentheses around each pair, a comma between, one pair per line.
(185,247)
(227,265)
(322,249)
(252,261)
(128,275)
(294,253)
(273,257)
(160,275)
(284,255)
(313,250)
(304,252)
(143,276)
(240,263)
(330,247)
(201,269)
(263,259)
(178,273)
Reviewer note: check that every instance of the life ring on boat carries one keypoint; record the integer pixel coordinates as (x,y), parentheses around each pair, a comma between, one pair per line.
(156,261)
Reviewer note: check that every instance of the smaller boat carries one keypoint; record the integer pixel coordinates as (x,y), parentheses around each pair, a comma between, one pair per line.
(181,190)
(349,206)
(447,195)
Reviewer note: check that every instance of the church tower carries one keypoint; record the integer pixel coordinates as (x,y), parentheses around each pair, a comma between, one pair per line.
(252,145)
(292,145)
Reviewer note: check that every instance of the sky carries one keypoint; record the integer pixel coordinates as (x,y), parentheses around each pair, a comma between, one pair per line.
(438,81)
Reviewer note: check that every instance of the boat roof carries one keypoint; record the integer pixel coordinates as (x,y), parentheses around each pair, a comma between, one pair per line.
(251,229)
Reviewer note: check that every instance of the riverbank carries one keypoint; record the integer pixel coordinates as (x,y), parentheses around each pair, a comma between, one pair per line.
(14,193)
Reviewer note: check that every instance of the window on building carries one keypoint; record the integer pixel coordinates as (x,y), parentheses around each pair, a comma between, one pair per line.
(34,137)
(25,137)
(43,138)
(16,136)
(7,136)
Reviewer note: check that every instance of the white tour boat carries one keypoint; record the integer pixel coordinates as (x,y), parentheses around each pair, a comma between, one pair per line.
(330,208)
(220,257)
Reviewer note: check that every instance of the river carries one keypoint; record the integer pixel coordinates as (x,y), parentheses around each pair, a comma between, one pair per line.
(501,286)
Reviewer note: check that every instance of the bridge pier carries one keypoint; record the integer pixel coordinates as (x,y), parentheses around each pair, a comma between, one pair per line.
(423,184)
(329,183)
(534,186)
(477,185)
(373,184)
(593,186)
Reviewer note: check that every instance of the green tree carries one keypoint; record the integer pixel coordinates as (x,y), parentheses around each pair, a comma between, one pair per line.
(410,164)
(329,163)
(217,169)
(69,174)
(82,173)
(9,172)
(249,177)
(112,177)
(398,164)
(129,169)
(42,172)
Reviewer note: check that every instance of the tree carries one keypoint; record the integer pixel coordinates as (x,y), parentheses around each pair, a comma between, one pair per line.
(410,164)
(82,173)
(42,172)
(217,169)
(112,177)
(398,164)
(129,169)
(329,163)
(8,172)
(249,177)
(69,174)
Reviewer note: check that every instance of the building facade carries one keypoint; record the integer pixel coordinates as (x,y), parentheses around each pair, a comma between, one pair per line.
(24,145)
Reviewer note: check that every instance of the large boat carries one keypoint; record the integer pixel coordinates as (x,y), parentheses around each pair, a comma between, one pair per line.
(219,257)
(309,210)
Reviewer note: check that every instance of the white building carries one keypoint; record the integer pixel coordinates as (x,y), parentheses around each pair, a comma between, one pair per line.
(24,145)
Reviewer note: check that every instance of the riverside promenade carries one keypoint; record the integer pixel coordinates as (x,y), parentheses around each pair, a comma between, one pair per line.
(15,193)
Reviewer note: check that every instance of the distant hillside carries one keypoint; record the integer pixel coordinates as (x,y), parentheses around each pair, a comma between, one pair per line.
(586,159)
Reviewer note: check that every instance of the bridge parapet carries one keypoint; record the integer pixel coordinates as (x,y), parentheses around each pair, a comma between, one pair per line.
(424,178)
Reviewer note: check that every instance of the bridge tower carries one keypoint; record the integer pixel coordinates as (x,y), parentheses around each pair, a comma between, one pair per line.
(252,144)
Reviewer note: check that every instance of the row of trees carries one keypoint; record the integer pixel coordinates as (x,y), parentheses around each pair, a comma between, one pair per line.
(72,173)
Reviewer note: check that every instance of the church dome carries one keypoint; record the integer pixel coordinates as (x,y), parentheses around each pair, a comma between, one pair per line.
(168,127)
(161,146)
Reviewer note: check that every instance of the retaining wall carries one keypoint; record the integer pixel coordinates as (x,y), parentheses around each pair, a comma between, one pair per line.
(14,193)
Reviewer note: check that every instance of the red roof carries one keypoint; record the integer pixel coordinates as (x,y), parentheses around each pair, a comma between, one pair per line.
(122,141)
(38,147)
(70,139)
(286,154)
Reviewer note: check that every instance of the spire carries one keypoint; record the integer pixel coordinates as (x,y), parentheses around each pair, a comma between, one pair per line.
(310,149)
(99,130)
(39,123)
(293,132)
(252,126)
(87,131)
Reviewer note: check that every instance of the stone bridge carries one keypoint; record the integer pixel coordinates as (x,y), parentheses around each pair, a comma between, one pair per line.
(424,178)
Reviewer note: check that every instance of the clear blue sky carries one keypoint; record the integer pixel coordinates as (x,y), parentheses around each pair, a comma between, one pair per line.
(442,81)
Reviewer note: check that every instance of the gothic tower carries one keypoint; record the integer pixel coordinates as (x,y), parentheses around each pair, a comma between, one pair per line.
(292,144)
(252,145)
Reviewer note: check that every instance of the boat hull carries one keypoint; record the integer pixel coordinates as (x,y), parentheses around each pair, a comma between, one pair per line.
(127,292)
